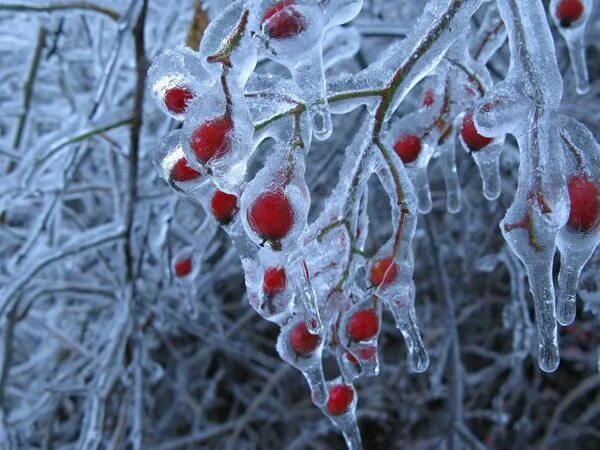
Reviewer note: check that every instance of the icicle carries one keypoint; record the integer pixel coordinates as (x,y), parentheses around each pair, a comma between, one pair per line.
(307,298)
(403,310)
(578,240)
(423,191)
(571,18)
(302,349)
(341,410)
(310,77)
(453,200)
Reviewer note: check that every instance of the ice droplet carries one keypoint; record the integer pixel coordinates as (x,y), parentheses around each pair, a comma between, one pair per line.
(321,119)
(488,162)
(567,289)
(309,75)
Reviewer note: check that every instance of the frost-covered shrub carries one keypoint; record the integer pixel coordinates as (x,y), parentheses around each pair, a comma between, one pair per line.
(271,81)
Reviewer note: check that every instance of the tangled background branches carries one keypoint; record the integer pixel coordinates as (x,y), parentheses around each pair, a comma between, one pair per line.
(101,346)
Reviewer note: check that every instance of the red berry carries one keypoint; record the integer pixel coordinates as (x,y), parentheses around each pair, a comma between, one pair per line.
(181,172)
(363,353)
(367,352)
(408,147)
(183,267)
(223,206)
(585,204)
(340,398)
(363,325)
(383,272)
(211,140)
(428,98)
(568,11)
(471,136)
(273,281)
(302,340)
(350,357)
(271,215)
(282,21)
(177,99)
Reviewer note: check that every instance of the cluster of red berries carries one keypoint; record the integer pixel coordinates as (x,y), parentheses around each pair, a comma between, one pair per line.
(408,146)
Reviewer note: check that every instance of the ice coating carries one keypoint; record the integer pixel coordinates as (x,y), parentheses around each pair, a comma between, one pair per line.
(539,210)
(519,313)
(571,18)
(177,69)
(217,137)
(340,43)
(346,420)
(315,280)
(469,68)
(310,363)
(359,331)
(399,67)
(490,36)
(227,45)
(277,198)
(291,33)
(173,166)
(581,235)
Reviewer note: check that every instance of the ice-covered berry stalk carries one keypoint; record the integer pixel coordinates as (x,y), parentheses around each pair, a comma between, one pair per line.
(316,279)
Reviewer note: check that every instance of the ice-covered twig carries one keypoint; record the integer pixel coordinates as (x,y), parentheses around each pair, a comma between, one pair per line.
(60,6)
(88,240)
